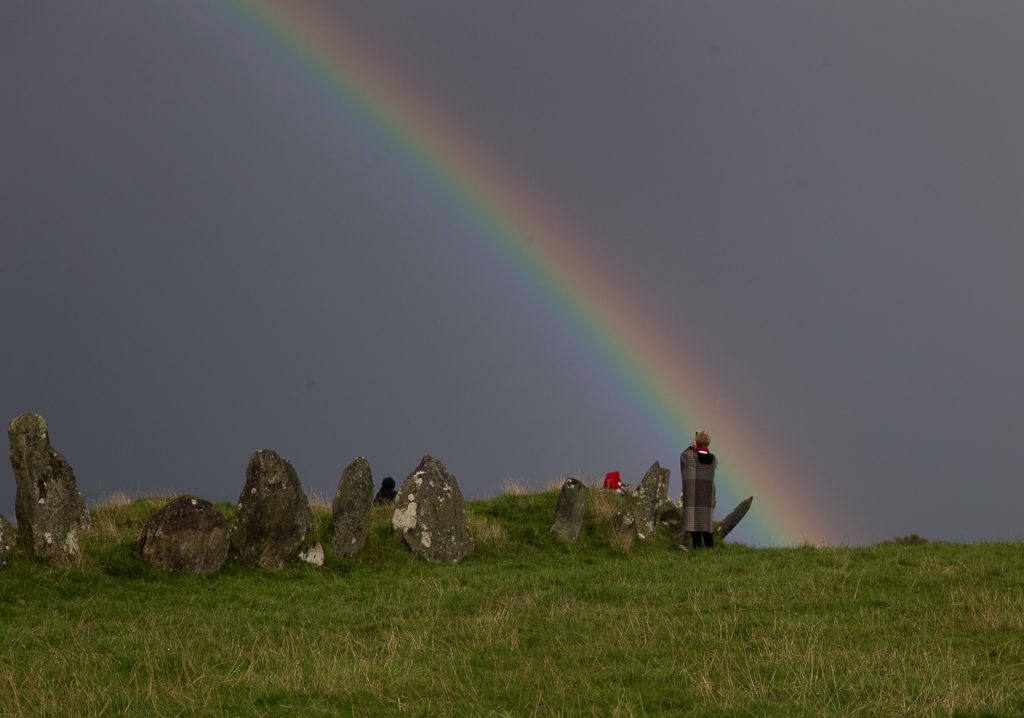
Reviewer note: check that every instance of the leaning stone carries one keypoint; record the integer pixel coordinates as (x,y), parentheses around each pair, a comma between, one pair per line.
(726,525)
(648,497)
(350,513)
(49,507)
(273,523)
(572,503)
(188,534)
(430,514)
(6,540)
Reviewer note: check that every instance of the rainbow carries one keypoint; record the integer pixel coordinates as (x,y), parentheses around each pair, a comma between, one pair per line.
(543,257)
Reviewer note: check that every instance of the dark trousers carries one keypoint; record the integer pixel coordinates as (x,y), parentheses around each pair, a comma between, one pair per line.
(702,538)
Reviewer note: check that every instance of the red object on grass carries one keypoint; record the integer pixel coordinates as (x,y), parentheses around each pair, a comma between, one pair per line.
(612,481)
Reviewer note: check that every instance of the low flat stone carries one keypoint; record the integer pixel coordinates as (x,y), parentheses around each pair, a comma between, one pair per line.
(569,511)
(273,523)
(350,512)
(6,540)
(726,525)
(188,534)
(49,507)
(313,555)
(430,514)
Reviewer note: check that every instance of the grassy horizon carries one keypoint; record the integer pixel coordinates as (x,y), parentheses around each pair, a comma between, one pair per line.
(526,626)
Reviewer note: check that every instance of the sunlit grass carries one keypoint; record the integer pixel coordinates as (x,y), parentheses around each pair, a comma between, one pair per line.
(527,625)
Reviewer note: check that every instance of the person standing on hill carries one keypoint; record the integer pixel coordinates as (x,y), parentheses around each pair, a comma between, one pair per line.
(697,466)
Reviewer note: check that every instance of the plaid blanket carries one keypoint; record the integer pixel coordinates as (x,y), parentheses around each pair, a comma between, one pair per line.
(698,497)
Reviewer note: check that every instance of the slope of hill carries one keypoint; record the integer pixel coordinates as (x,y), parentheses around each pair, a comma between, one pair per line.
(525,626)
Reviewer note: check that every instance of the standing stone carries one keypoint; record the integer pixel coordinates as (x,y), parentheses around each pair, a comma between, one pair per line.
(648,498)
(6,539)
(273,523)
(735,516)
(49,508)
(351,509)
(188,534)
(430,514)
(572,503)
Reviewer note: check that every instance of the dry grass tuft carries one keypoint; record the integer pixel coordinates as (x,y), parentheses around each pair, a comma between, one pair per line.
(106,527)
(557,482)
(621,540)
(114,500)
(318,501)
(486,532)
(604,505)
(515,488)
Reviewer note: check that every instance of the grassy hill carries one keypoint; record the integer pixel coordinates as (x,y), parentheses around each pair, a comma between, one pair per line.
(527,626)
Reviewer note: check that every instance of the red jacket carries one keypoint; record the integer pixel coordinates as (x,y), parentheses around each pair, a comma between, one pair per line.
(612,481)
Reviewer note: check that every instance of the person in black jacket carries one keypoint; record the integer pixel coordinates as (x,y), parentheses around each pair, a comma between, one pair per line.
(387,492)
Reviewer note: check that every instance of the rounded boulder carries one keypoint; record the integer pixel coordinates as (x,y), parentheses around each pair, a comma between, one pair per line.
(188,534)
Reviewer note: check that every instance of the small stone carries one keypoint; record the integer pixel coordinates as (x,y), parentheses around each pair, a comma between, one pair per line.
(572,504)
(350,512)
(188,534)
(314,555)
(273,524)
(49,507)
(433,529)
(670,513)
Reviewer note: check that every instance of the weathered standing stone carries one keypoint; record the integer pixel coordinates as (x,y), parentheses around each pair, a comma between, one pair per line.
(273,523)
(351,508)
(572,503)
(735,516)
(646,500)
(49,508)
(6,539)
(430,514)
(188,534)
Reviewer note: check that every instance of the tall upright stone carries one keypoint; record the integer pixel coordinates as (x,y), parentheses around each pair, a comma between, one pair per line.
(273,524)
(569,511)
(430,514)
(49,507)
(6,540)
(350,512)
(188,534)
(647,499)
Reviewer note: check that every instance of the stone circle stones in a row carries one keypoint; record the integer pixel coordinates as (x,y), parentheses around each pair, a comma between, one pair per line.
(6,539)
(350,512)
(572,504)
(49,507)
(273,524)
(430,514)
(188,534)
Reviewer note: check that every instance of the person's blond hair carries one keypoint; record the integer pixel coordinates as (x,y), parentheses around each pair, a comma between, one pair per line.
(702,439)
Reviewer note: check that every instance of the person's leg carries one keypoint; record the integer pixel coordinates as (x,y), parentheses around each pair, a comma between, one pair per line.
(709,539)
(697,537)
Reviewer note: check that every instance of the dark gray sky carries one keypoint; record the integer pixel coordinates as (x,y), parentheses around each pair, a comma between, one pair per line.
(200,256)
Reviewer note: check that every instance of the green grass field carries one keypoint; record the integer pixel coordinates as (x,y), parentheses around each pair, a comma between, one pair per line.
(527,626)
